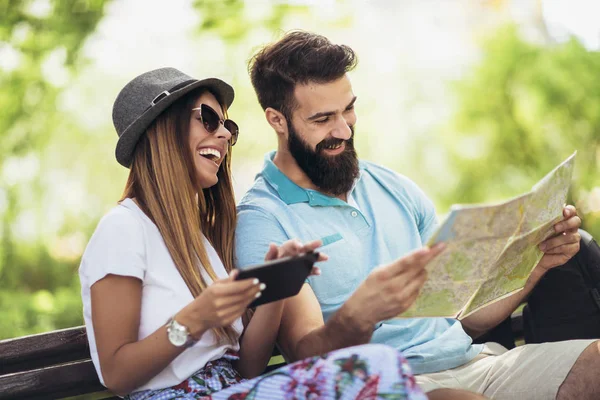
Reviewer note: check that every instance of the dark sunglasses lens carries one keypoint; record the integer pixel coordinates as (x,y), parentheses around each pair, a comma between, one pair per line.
(210,118)
(233,129)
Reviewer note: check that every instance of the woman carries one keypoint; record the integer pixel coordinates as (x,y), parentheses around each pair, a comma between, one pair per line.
(161,304)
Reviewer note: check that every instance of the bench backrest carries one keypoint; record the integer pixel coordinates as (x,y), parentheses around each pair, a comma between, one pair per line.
(49,365)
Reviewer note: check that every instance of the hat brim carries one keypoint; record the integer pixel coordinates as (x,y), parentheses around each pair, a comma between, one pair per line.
(130,136)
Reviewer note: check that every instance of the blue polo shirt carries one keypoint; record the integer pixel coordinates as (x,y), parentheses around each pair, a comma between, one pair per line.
(386,216)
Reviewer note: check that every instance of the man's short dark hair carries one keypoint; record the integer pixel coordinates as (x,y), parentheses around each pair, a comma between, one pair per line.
(299,57)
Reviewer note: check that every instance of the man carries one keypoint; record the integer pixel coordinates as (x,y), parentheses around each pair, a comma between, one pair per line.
(373,223)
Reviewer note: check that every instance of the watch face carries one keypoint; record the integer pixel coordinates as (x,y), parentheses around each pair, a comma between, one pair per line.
(178,335)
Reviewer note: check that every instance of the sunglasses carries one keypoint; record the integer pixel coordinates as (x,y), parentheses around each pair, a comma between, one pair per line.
(211,121)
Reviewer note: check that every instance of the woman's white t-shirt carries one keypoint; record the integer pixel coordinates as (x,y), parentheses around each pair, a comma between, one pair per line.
(126,242)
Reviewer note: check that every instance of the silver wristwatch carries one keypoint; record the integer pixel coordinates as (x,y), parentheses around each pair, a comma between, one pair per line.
(179,335)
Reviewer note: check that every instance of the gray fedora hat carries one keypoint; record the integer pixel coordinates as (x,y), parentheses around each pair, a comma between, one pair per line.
(148,95)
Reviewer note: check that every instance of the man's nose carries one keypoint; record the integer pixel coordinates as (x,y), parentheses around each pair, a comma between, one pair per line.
(342,130)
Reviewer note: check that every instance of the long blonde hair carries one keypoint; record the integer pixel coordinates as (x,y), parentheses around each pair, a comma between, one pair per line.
(162,180)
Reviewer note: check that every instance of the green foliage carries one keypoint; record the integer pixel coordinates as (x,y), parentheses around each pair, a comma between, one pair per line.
(26,312)
(38,289)
(40,241)
(232,22)
(521,111)
(27,98)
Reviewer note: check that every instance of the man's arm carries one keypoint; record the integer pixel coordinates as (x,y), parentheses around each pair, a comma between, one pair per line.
(387,292)
(489,317)
(303,332)
(557,251)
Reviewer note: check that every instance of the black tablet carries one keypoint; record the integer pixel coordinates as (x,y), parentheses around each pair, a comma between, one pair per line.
(283,277)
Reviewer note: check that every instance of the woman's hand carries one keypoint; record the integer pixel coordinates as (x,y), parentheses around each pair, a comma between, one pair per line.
(219,305)
(295,247)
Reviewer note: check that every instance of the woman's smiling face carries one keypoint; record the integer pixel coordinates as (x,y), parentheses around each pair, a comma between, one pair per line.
(208,149)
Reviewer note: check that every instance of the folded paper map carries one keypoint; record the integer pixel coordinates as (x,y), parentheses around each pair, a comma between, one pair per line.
(491,249)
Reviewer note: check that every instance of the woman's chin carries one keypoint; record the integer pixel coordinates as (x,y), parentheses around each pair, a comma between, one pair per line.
(208,181)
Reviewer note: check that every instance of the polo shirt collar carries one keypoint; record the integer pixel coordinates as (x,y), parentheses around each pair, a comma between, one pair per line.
(291,193)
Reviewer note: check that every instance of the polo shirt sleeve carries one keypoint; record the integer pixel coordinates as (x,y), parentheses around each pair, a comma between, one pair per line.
(421,205)
(254,232)
(426,216)
(409,195)
(116,247)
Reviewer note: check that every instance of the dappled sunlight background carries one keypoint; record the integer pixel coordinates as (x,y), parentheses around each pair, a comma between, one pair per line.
(474,100)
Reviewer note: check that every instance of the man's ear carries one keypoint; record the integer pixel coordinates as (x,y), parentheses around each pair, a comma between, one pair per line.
(277,120)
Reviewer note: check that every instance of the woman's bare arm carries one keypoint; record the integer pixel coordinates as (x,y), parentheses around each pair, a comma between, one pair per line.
(126,363)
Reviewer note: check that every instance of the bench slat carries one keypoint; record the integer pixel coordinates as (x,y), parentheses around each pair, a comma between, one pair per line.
(45,349)
(53,382)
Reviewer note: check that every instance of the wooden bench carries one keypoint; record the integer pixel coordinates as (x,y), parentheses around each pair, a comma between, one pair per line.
(57,364)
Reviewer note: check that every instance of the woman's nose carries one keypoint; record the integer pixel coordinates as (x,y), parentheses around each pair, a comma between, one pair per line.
(223,133)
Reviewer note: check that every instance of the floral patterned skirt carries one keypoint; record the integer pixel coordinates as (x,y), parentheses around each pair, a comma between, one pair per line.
(370,371)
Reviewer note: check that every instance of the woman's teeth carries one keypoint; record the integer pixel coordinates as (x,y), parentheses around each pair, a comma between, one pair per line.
(210,153)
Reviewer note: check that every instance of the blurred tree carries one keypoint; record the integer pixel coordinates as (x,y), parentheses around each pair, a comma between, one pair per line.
(232,22)
(40,42)
(40,56)
(524,109)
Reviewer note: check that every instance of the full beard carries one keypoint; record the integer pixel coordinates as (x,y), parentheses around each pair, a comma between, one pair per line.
(334,175)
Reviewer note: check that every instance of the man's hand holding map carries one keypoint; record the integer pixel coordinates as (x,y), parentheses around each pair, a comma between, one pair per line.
(491,249)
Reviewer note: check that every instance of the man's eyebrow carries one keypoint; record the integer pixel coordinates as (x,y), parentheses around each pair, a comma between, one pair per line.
(330,113)
(320,115)
(349,106)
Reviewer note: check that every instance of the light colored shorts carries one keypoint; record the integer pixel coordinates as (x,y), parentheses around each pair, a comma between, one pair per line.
(529,372)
